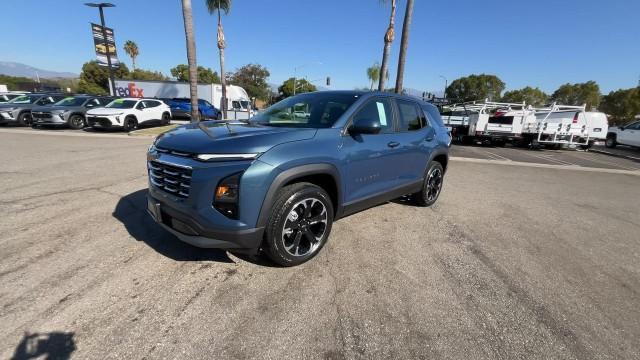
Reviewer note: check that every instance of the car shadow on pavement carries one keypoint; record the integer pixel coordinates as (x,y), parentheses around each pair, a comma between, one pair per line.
(53,345)
(131,211)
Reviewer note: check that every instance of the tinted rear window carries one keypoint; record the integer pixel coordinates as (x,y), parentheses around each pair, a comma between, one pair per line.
(502,120)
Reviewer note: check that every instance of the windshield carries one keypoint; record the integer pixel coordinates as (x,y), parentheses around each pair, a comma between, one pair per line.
(71,101)
(25,99)
(122,104)
(310,110)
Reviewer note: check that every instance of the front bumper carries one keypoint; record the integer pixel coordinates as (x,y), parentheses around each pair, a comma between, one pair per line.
(53,120)
(185,228)
(6,117)
(102,121)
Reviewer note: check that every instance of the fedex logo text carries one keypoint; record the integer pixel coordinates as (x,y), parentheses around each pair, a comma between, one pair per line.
(130,91)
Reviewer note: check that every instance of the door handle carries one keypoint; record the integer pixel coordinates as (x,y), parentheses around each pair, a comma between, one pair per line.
(428,138)
(393,144)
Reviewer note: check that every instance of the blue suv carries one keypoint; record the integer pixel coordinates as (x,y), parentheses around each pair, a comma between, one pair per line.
(181,109)
(279,181)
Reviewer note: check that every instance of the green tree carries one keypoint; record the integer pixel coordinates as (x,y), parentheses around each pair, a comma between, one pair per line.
(302,86)
(94,79)
(578,94)
(531,96)
(131,48)
(141,74)
(205,75)
(404,45)
(253,78)
(622,105)
(389,36)
(476,87)
(217,6)
(373,73)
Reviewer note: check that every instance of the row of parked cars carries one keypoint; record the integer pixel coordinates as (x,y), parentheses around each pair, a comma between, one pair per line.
(79,111)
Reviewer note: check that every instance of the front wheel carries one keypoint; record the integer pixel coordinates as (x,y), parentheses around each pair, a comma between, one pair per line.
(25,119)
(431,186)
(299,224)
(130,124)
(76,122)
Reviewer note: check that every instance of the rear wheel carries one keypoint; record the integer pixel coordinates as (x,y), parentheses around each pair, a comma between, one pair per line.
(166,119)
(610,142)
(130,124)
(299,225)
(25,119)
(432,185)
(76,122)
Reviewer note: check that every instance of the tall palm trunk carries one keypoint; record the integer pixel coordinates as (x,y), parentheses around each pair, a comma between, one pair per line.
(191,58)
(133,62)
(404,44)
(388,39)
(221,45)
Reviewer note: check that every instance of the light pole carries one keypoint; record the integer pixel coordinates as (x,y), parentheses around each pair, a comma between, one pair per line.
(295,72)
(446,84)
(106,42)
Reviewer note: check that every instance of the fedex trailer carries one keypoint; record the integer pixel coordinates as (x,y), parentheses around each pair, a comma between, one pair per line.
(238,102)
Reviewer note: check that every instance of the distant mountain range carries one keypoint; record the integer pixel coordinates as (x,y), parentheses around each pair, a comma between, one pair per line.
(18,69)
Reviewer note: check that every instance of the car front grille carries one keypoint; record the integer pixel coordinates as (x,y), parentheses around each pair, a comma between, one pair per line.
(101,121)
(41,115)
(170,178)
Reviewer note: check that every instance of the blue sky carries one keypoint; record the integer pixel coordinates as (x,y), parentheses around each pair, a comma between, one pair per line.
(542,43)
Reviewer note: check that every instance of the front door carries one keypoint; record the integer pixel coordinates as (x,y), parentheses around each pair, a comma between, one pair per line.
(630,135)
(370,166)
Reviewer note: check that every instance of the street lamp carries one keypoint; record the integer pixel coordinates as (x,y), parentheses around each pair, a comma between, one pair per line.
(106,43)
(446,84)
(295,72)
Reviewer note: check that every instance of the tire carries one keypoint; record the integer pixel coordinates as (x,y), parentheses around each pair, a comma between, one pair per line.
(291,221)
(76,122)
(130,124)
(25,119)
(166,119)
(431,187)
(610,142)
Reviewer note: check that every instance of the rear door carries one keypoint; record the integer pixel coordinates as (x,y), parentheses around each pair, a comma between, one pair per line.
(416,137)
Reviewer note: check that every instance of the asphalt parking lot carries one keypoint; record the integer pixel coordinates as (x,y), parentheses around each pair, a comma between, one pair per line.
(514,261)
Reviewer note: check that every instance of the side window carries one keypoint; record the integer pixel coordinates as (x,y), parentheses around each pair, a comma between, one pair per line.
(140,105)
(206,103)
(236,105)
(410,118)
(634,126)
(92,103)
(377,109)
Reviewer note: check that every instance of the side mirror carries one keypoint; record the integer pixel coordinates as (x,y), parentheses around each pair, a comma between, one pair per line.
(621,128)
(140,106)
(365,126)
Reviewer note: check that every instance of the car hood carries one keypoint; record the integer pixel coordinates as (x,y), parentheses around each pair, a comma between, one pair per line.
(106,111)
(210,137)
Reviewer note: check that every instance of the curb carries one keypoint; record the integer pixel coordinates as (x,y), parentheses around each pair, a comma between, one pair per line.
(628,157)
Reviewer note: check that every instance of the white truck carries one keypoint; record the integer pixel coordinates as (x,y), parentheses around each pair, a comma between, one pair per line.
(498,123)
(628,134)
(238,102)
(563,125)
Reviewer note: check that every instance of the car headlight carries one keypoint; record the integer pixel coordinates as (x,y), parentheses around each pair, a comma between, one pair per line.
(225,199)
(227,157)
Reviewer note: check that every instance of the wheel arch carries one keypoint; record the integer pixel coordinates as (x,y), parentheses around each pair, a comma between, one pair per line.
(441,156)
(323,175)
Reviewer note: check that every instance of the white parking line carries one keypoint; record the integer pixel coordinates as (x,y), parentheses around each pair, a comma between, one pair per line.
(496,156)
(66,133)
(545,166)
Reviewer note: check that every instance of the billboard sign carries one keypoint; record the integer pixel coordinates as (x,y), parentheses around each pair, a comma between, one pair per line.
(101,48)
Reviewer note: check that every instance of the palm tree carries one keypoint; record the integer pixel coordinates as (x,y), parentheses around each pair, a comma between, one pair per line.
(373,73)
(219,6)
(131,48)
(388,39)
(191,58)
(404,44)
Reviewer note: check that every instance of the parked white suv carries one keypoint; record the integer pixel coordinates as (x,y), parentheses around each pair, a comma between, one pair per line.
(129,113)
(624,135)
